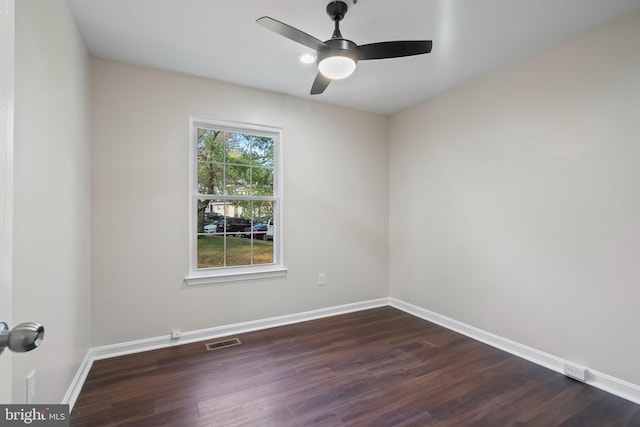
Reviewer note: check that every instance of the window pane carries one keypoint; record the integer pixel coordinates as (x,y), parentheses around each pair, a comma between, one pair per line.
(238,251)
(237,180)
(262,180)
(234,226)
(209,214)
(210,178)
(262,212)
(210,145)
(239,209)
(238,148)
(263,251)
(210,251)
(202,210)
(262,151)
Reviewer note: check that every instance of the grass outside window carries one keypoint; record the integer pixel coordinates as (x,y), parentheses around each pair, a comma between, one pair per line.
(239,251)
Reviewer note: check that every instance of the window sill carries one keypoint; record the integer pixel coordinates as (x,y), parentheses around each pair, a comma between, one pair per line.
(211,278)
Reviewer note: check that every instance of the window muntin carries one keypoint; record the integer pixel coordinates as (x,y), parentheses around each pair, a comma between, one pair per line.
(235,199)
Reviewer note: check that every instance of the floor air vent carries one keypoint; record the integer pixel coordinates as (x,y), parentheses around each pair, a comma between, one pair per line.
(222,344)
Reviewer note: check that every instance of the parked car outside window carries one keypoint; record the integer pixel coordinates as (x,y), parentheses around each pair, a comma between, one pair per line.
(258,231)
(232,225)
(269,233)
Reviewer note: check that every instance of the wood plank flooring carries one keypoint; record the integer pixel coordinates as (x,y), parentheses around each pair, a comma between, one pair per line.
(379,367)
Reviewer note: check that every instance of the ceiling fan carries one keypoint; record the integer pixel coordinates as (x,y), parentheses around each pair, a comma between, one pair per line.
(337,57)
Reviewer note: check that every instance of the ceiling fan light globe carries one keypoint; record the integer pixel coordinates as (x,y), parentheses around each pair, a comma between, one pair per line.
(337,67)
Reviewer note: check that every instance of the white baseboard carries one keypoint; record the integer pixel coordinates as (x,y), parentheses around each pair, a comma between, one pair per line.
(78,381)
(121,349)
(597,379)
(605,382)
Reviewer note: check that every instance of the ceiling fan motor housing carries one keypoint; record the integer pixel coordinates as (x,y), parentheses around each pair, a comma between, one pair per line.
(339,47)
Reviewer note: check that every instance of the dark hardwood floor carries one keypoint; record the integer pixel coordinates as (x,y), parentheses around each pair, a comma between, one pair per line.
(379,367)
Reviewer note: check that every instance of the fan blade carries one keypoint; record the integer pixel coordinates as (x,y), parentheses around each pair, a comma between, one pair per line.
(320,84)
(393,49)
(291,33)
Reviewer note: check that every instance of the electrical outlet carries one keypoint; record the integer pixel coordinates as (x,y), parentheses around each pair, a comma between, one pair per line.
(576,372)
(31,386)
(321,279)
(175,333)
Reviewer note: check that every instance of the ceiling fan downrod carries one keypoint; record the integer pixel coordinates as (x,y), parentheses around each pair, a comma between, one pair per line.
(336,11)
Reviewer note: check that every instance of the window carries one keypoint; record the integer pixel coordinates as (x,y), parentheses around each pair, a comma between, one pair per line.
(235,202)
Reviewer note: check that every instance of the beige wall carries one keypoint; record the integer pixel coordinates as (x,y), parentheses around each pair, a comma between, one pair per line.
(335,204)
(51,195)
(522,192)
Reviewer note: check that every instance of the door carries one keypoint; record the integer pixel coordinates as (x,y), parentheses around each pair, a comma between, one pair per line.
(7,45)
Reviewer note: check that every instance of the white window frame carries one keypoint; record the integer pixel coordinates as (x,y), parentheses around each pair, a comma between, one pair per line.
(198,276)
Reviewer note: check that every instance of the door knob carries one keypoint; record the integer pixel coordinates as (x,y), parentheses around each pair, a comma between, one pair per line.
(23,337)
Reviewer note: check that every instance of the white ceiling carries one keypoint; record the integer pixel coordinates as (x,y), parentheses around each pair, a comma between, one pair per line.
(220,40)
